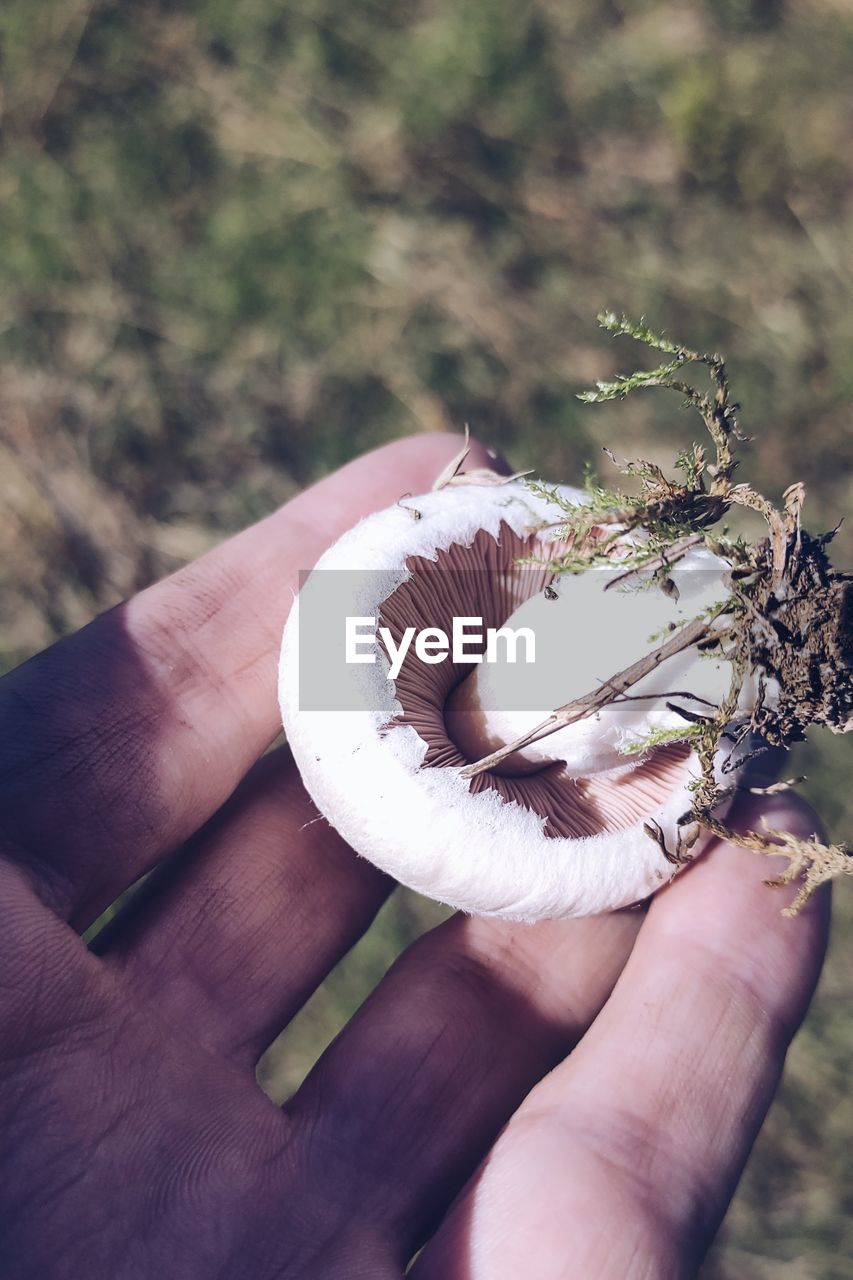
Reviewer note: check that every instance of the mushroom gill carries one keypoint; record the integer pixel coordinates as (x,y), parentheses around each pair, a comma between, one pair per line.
(485,580)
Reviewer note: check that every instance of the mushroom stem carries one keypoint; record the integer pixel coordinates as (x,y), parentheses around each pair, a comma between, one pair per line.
(691,634)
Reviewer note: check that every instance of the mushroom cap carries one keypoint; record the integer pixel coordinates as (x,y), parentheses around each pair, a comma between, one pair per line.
(370,773)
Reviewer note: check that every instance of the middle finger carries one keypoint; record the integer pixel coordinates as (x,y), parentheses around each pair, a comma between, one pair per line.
(400,1108)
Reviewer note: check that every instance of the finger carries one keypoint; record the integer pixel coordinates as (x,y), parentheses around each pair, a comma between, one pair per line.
(625,1157)
(229,939)
(121,740)
(401,1107)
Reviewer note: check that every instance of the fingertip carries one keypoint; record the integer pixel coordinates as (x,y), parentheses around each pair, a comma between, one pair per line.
(374,480)
(785,811)
(727,904)
(439,448)
(770,817)
(434,447)
(496,461)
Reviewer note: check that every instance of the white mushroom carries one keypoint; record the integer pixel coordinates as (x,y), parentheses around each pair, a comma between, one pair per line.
(558,832)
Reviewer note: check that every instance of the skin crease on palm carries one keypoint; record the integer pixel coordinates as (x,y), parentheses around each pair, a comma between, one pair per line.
(567,1099)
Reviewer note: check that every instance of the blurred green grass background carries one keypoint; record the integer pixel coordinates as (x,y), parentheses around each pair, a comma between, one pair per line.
(240,243)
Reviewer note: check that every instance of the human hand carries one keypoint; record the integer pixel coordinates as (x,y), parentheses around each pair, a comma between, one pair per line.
(134,1139)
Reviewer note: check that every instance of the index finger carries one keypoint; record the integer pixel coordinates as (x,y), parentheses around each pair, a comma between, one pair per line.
(120,741)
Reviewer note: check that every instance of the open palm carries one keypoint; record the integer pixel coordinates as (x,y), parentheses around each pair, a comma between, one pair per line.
(628,1059)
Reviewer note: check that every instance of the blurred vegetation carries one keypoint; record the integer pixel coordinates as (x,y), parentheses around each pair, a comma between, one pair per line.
(240,243)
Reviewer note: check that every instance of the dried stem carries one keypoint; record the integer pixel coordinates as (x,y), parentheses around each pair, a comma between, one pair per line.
(692,633)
